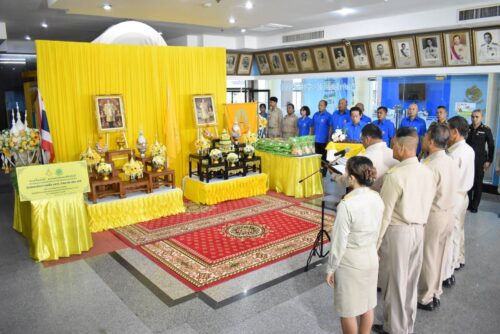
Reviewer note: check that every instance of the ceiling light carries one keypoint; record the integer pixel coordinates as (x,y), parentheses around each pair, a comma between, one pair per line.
(249,5)
(345,11)
(27,37)
(207,4)
(232,20)
(107,6)
(243,30)
(44,25)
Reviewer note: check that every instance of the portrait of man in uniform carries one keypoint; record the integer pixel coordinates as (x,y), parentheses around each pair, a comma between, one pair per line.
(404,52)
(360,56)
(430,50)
(263,64)
(204,110)
(290,62)
(487,47)
(276,64)
(457,48)
(245,64)
(322,59)
(305,60)
(110,115)
(231,61)
(340,59)
(381,54)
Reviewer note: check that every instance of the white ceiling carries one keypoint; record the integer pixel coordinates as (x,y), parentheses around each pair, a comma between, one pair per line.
(300,14)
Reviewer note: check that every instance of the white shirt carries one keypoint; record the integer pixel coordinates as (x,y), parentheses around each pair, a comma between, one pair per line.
(381,157)
(464,155)
(357,224)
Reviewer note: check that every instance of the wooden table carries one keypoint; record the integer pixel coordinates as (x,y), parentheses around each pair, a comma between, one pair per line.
(137,185)
(156,179)
(101,188)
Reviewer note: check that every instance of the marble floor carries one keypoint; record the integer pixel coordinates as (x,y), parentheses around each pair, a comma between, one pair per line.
(123,292)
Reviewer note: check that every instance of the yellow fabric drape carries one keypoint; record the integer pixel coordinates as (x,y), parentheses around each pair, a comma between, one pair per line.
(231,189)
(355,148)
(157,85)
(285,173)
(108,215)
(56,227)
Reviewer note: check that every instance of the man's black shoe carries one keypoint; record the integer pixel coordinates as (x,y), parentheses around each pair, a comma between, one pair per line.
(452,279)
(447,283)
(473,210)
(436,302)
(379,329)
(426,307)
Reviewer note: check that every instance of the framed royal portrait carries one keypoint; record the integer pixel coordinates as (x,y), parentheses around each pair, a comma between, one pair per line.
(323,63)
(340,57)
(360,59)
(430,50)
(276,63)
(263,63)
(404,51)
(305,60)
(487,46)
(457,48)
(290,61)
(245,64)
(110,113)
(231,62)
(204,110)
(381,54)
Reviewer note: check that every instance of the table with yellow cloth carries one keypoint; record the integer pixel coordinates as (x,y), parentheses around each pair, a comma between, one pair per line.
(217,191)
(55,227)
(112,212)
(285,172)
(355,148)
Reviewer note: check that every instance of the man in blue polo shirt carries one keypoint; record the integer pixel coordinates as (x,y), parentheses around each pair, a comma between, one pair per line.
(341,117)
(386,126)
(322,122)
(413,121)
(365,119)
(353,128)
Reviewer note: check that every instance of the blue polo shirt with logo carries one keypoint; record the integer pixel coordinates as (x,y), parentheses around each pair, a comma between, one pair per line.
(339,121)
(419,125)
(353,131)
(321,125)
(366,119)
(388,130)
(304,125)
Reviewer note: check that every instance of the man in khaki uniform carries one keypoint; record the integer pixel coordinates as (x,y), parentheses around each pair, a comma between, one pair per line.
(407,192)
(274,119)
(377,151)
(463,155)
(440,223)
(290,128)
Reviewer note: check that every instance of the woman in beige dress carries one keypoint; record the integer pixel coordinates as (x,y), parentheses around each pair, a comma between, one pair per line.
(353,264)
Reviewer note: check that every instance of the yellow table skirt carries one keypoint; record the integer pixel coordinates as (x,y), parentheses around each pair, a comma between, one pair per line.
(355,148)
(285,173)
(121,212)
(56,227)
(220,191)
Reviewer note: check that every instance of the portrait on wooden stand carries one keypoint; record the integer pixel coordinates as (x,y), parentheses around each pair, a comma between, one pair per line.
(204,110)
(110,113)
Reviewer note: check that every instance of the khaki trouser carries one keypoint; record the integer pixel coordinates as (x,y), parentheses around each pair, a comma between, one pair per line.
(436,232)
(400,264)
(456,249)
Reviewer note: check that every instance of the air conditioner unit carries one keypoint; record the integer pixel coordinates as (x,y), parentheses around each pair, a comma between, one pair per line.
(306,36)
(488,13)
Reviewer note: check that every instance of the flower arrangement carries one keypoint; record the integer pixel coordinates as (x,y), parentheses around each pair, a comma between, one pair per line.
(249,150)
(20,148)
(104,169)
(158,162)
(133,169)
(91,157)
(232,158)
(262,122)
(215,154)
(201,145)
(251,138)
(338,136)
(158,149)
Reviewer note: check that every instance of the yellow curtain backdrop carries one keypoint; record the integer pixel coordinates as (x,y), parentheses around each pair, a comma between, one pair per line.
(157,85)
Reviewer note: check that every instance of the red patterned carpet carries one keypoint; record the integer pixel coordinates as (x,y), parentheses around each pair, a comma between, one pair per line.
(210,244)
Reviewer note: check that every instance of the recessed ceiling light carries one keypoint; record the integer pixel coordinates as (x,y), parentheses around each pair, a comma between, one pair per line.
(107,6)
(232,20)
(207,4)
(345,11)
(27,37)
(44,25)
(249,5)
(243,30)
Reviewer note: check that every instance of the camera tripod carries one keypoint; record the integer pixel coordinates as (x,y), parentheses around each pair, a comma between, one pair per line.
(318,243)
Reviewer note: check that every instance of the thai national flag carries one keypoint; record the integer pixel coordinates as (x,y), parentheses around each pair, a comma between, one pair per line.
(46,138)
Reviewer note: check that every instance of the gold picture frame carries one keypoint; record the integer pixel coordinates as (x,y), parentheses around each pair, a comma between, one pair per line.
(245,64)
(322,59)
(381,54)
(404,51)
(360,56)
(430,50)
(263,63)
(231,63)
(305,60)
(290,61)
(458,48)
(276,63)
(487,46)
(204,110)
(110,113)
(340,57)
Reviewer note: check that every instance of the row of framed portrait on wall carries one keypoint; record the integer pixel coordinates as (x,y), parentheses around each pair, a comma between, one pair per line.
(451,48)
